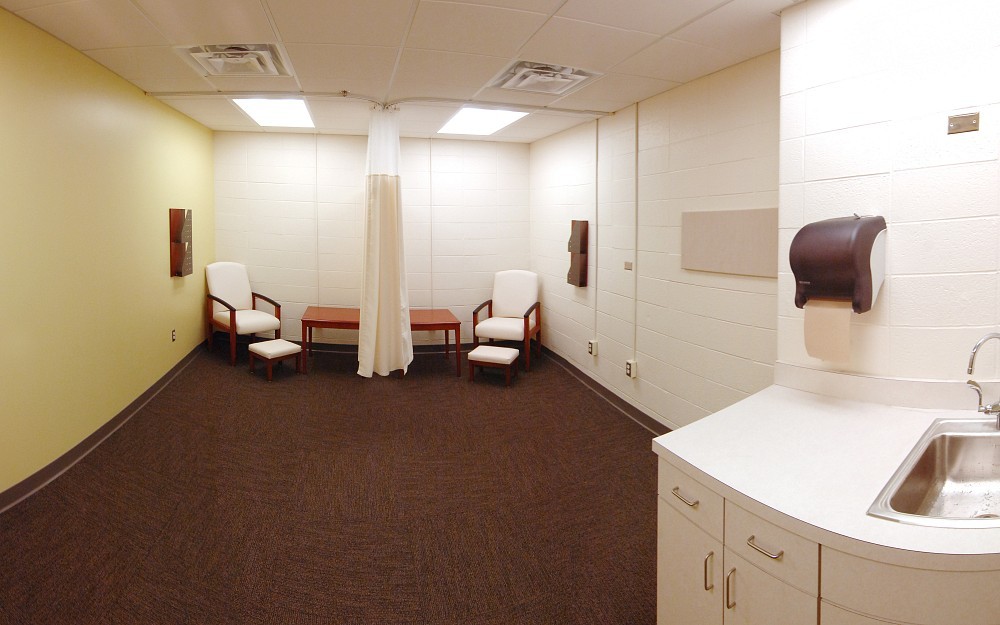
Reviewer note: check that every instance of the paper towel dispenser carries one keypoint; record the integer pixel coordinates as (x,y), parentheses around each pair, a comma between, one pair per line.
(839,259)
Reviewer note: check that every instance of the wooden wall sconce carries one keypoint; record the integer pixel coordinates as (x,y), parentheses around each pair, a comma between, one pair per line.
(577,275)
(180,242)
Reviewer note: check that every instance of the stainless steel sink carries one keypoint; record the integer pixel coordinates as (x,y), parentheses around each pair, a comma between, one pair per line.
(950,479)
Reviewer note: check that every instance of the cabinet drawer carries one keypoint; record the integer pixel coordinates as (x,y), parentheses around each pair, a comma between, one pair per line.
(898,593)
(777,551)
(697,503)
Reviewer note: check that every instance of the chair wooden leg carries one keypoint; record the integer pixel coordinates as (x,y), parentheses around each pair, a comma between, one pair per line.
(232,347)
(527,353)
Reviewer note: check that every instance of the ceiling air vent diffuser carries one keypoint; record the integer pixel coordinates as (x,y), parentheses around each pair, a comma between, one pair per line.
(542,78)
(254,59)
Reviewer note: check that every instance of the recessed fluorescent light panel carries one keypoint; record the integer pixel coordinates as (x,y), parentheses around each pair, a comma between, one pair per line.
(278,113)
(473,121)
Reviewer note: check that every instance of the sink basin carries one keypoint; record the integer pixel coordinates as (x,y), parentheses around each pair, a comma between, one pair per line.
(950,479)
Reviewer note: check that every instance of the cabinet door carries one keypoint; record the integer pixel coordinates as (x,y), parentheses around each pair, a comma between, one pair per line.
(752,597)
(688,571)
(833,615)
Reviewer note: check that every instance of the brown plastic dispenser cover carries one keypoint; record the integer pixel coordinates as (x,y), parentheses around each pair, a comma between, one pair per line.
(831,259)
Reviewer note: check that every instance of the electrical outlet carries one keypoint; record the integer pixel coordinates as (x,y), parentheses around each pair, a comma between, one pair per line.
(592,347)
(173,335)
(631,369)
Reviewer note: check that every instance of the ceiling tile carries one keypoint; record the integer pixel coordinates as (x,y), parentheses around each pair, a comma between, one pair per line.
(153,69)
(511,96)
(738,27)
(19,5)
(424,120)
(583,45)
(677,61)
(93,24)
(192,22)
(364,70)
(539,125)
(471,28)
(613,92)
(658,18)
(428,73)
(212,112)
(340,116)
(371,22)
(264,84)
(538,6)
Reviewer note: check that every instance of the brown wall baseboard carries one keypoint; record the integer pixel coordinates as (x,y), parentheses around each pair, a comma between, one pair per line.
(630,411)
(32,484)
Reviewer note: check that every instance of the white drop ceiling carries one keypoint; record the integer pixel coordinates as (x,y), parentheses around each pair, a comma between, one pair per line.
(429,56)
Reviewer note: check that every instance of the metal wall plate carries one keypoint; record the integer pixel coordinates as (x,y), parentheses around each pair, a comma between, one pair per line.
(963,123)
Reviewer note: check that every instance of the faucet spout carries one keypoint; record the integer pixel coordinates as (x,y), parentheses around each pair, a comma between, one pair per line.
(988,409)
(972,356)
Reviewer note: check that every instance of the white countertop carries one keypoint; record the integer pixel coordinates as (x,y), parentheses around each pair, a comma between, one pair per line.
(821,461)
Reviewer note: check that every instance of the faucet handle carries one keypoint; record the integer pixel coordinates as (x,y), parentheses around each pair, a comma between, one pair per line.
(979,391)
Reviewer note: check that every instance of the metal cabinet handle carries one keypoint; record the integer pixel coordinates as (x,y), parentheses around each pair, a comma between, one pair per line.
(730,589)
(759,549)
(677,493)
(706,582)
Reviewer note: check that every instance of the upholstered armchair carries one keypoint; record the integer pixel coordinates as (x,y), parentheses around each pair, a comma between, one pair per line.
(513,313)
(231,306)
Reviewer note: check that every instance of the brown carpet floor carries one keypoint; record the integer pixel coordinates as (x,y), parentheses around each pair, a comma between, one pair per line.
(330,498)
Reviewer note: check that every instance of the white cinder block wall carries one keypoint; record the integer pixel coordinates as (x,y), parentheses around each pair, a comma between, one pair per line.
(702,341)
(291,207)
(866,91)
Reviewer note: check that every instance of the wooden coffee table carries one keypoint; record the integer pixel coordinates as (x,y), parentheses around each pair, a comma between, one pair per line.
(421,320)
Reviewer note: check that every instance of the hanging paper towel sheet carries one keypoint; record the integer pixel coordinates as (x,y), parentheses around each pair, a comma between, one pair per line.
(828,329)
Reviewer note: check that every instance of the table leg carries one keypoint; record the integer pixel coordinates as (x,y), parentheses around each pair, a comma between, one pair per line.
(307,339)
(458,349)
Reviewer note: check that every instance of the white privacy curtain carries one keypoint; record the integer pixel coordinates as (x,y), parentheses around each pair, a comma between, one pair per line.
(385,343)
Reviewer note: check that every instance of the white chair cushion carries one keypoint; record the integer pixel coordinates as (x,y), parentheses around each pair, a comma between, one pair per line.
(503,328)
(497,355)
(249,321)
(229,282)
(275,348)
(514,291)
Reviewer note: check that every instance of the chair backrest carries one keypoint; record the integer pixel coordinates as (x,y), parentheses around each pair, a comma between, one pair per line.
(229,281)
(514,291)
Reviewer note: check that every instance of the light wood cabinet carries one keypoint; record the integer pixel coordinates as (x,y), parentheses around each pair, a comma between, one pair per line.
(833,615)
(688,571)
(767,576)
(720,564)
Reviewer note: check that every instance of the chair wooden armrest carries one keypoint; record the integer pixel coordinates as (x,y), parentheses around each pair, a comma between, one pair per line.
(221,301)
(277,306)
(475,313)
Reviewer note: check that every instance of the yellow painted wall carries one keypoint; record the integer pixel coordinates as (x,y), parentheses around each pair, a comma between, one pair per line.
(89,167)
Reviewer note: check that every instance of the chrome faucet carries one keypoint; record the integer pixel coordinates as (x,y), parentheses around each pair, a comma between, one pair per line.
(988,409)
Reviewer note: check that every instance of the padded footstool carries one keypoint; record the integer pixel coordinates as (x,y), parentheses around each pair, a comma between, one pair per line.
(274,351)
(489,356)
